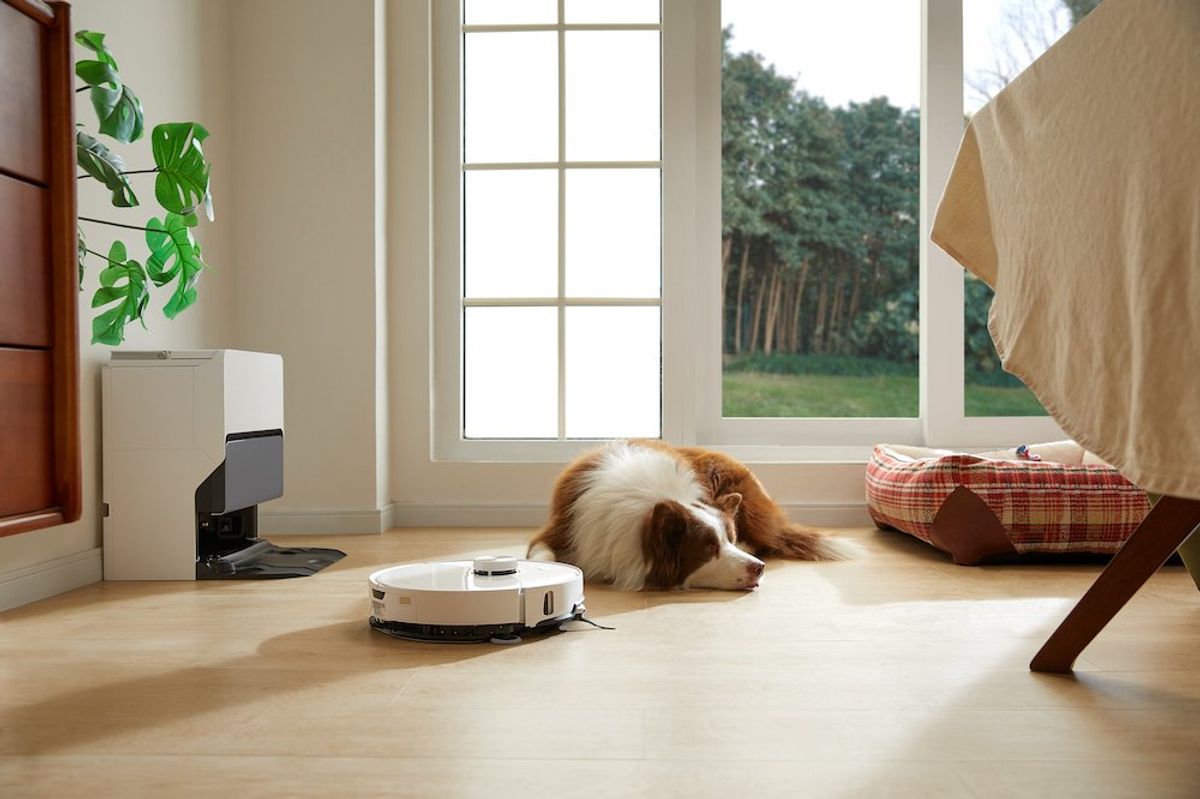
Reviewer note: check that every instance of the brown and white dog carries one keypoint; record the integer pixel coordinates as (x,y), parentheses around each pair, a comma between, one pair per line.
(648,515)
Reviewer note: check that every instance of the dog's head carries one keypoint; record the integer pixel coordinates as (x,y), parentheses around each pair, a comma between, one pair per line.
(695,546)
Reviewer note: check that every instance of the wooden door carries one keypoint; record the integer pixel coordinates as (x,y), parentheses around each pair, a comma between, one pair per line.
(39,338)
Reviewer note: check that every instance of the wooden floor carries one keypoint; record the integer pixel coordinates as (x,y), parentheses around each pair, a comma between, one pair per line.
(896,675)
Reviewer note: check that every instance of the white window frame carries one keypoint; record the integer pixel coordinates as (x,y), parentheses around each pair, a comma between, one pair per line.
(691,304)
(449,302)
(942,409)
(808,438)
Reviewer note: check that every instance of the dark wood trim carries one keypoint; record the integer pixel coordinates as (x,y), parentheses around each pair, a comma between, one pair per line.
(1167,526)
(64,266)
(59,96)
(31,521)
(8,173)
(36,10)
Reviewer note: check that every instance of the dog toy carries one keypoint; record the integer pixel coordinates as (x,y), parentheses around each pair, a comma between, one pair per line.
(1024,454)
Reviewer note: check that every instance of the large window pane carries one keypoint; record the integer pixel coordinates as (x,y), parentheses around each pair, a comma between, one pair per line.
(820,197)
(510,108)
(510,374)
(613,369)
(627,11)
(540,232)
(612,95)
(613,233)
(511,233)
(510,12)
(1000,39)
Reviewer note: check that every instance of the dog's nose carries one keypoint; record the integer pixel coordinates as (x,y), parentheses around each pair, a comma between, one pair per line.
(756,568)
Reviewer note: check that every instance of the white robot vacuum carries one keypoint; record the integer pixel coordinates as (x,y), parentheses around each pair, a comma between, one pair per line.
(492,598)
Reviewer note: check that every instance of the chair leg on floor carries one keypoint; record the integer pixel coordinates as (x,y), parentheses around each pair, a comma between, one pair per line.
(1160,533)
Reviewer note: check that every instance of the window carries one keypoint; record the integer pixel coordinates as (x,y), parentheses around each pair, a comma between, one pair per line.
(1000,39)
(560,238)
(602,263)
(820,255)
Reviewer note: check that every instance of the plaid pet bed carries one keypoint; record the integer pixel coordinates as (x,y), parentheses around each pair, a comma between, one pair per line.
(1043,506)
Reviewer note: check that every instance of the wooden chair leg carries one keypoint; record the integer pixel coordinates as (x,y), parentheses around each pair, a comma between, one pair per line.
(1169,523)
(1189,553)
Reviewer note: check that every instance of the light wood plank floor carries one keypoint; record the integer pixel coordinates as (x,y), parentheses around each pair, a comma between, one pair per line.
(898,674)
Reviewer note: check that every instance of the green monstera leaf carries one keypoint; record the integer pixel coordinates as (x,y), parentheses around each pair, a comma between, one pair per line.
(122,282)
(95,42)
(118,108)
(183,172)
(105,166)
(174,255)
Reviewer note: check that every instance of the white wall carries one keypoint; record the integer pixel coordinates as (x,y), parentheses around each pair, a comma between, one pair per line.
(176,57)
(304,120)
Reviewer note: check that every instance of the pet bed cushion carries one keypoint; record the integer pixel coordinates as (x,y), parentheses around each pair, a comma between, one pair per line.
(1049,498)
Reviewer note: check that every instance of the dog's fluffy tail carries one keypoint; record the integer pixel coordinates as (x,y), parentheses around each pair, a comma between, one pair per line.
(538,549)
(797,542)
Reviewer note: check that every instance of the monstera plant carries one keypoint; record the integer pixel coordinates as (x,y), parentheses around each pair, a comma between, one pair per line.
(181,186)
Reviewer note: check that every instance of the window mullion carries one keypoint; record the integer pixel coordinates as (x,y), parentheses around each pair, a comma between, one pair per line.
(554,302)
(565,165)
(562,223)
(573,26)
(704,333)
(941,283)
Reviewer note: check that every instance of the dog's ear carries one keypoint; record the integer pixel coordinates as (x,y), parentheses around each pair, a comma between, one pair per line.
(668,527)
(729,503)
(662,540)
(675,544)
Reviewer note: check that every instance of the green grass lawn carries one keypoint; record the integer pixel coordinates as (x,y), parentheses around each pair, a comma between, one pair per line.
(993,401)
(758,394)
(781,395)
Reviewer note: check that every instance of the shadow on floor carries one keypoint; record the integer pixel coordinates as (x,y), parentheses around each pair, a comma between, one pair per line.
(283,665)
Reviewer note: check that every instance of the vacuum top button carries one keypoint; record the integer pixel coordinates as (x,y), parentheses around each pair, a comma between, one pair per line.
(494,564)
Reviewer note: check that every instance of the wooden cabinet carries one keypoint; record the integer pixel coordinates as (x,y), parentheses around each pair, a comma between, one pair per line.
(25,291)
(23,98)
(39,337)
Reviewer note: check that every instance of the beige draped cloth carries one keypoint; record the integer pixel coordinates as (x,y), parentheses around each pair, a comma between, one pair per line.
(1076,196)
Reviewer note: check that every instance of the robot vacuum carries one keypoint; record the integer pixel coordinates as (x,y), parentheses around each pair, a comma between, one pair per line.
(490,598)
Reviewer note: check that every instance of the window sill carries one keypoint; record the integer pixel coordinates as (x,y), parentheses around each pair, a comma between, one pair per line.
(562,452)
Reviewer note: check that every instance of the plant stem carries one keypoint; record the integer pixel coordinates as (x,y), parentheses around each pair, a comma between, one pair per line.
(101,255)
(82,89)
(114,224)
(130,172)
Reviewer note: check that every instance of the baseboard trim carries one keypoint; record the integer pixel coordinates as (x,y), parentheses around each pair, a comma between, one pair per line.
(327,522)
(42,580)
(468,514)
(831,514)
